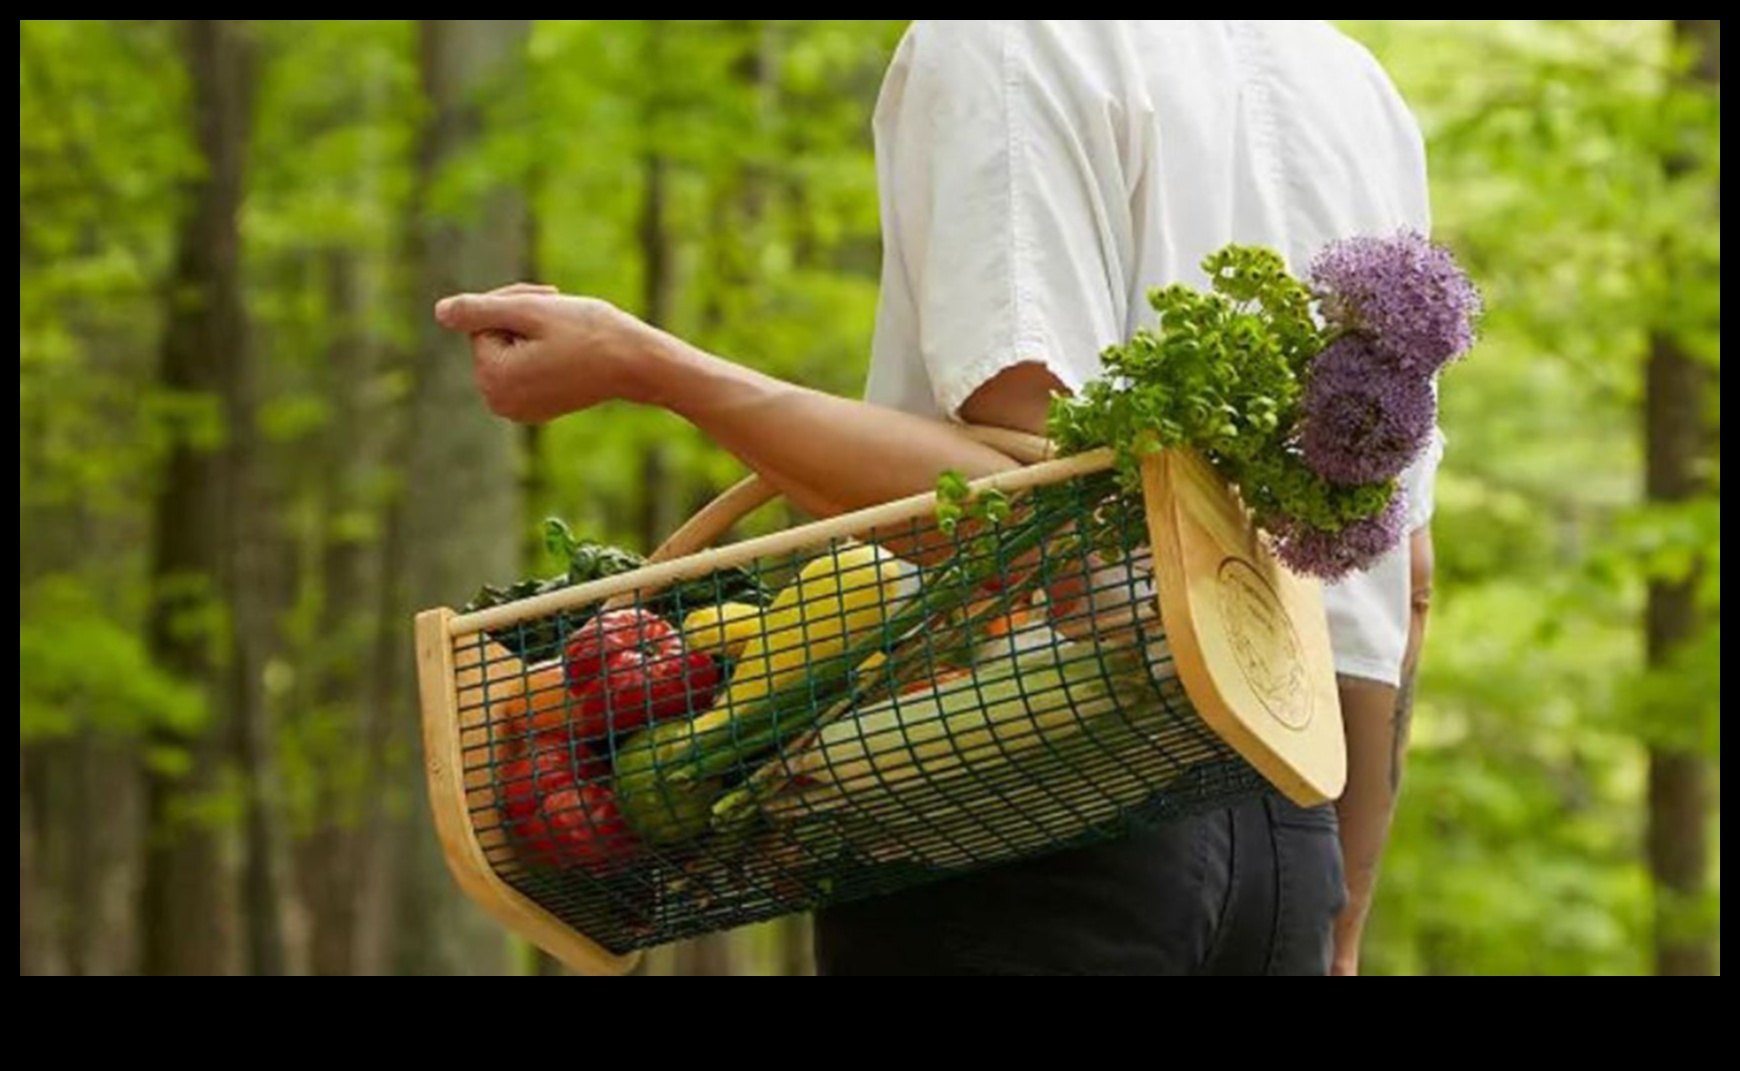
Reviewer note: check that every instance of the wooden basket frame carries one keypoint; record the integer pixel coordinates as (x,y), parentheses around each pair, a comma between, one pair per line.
(1250,640)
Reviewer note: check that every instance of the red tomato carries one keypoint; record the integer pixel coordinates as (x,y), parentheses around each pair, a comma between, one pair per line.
(534,842)
(525,783)
(629,668)
(556,819)
(587,827)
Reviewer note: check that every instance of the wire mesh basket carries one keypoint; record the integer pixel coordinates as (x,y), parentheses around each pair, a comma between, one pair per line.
(857,706)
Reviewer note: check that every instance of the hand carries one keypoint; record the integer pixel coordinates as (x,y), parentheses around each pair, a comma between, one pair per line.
(538,354)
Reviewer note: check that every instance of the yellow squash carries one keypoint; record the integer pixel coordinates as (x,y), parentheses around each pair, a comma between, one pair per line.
(722,630)
(834,602)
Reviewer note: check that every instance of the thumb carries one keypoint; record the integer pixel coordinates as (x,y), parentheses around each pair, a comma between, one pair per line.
(473,314)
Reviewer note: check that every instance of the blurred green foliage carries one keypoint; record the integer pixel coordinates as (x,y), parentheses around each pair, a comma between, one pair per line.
(1518,846)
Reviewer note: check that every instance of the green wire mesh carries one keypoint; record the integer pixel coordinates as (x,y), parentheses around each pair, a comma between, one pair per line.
(836,725)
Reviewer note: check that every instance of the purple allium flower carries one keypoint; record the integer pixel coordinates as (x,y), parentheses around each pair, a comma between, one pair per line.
(1332,556)
(1363,420)
(1405,292)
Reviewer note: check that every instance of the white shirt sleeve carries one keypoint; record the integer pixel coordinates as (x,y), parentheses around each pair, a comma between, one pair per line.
(1006,226)
(1419,483)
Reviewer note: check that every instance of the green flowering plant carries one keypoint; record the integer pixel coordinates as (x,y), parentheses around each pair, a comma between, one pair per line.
(1311,397)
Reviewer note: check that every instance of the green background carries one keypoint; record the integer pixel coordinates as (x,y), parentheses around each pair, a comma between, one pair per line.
(245,458)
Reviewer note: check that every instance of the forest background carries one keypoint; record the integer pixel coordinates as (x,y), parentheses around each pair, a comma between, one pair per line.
(246,457)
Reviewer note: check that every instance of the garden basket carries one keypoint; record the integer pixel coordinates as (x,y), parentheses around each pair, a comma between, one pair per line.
(839,710)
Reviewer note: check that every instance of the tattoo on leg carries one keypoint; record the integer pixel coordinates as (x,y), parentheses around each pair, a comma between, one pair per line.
(1403,724)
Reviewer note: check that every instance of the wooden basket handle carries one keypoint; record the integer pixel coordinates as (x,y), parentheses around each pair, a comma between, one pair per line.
(748,495)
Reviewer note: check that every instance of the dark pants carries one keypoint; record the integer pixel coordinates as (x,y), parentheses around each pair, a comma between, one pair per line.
(1248,890)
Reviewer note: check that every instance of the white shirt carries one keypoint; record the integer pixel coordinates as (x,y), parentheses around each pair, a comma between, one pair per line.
(1039,177)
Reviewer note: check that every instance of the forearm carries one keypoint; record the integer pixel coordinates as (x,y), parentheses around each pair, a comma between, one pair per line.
(1374,717)
(1378,720)
(827,454)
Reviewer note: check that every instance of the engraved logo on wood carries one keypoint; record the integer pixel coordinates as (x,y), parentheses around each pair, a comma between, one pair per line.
(1264,644)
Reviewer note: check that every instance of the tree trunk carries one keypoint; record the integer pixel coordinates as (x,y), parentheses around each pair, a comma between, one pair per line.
(383,693)
(34,926)
(738,232)
(252,599)
(79,832)
(332,856)
(180,900)
(389,707)
(1679,445)
(462,499)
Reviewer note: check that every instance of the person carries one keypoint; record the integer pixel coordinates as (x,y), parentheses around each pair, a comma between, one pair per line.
(1036,178)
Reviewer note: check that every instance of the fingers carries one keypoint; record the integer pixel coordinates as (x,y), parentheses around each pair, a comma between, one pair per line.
(513,378)
(474,313)
(517,313)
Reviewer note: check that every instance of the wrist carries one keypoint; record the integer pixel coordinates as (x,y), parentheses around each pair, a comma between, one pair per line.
(656,367)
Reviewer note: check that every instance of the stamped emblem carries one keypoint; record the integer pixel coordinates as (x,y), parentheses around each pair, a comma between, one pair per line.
(1264,644)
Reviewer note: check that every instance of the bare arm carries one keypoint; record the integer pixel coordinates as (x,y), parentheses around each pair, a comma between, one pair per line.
(833,454)
(1378,719)
(539,355)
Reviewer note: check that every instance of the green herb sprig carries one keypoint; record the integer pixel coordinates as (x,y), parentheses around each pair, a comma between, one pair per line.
(1221,372)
